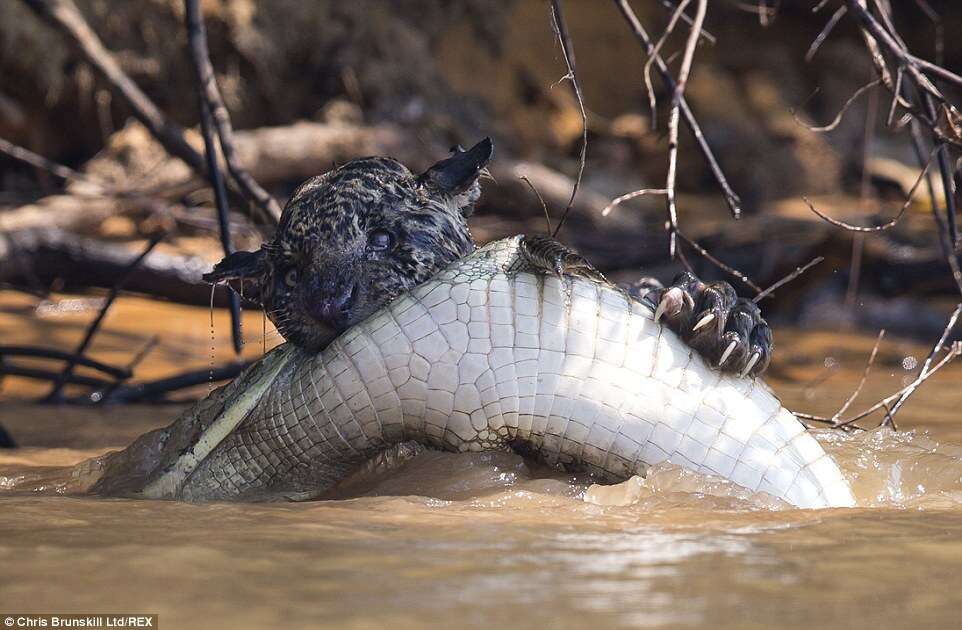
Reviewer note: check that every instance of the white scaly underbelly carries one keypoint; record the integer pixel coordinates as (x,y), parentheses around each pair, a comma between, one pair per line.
(587,377)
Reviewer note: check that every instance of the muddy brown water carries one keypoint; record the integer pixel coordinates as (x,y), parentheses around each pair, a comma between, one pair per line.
(486,540)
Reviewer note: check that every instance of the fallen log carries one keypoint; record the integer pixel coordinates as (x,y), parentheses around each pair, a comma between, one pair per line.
(73,212)
(281,156)
(45,255)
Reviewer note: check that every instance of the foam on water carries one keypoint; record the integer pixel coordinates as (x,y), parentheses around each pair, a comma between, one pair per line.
(904,469)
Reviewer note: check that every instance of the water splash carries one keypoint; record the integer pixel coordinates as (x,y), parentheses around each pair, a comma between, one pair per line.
(887,469)
(907,469)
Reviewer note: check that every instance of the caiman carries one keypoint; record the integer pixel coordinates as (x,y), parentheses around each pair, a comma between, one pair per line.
(514,346)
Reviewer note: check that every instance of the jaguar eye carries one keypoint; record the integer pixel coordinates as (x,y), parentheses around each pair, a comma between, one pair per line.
(290,278)
(380,240)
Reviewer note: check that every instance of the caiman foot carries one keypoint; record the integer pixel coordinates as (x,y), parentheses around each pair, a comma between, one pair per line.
(546,254)
(727,330)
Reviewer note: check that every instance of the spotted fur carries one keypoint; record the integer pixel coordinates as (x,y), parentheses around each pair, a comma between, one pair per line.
(324,270)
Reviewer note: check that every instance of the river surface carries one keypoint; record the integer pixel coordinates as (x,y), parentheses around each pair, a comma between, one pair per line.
(485,540)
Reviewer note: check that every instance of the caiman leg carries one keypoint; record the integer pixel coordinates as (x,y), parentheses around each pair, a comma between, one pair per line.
(727,330)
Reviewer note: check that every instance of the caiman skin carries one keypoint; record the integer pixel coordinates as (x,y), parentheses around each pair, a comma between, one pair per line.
(498,351)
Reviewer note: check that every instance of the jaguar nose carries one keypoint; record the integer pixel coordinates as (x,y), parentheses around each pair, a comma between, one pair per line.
(331,304)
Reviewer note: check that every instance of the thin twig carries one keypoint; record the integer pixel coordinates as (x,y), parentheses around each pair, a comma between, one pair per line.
(909,75)
(57,389)
(544,206)
(947,181)
(100,397)
(885,403)
(918,146)
(888,419)
(877,228)
(655,52)
(708,37)
(38,161)
(927,93)
(798,271)
(708,256)
(673,116)
(950,258)
(66,17)
(567,50)
(861,383)
(734,203)
(908,389)
(949,327)
(61,355)
(838,118)
(832,21)
(198,47)
(895,99)
(210,93)
(913,64)
(617,201)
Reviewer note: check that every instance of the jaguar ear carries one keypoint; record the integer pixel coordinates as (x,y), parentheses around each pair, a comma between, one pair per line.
(457,174)
(239,266)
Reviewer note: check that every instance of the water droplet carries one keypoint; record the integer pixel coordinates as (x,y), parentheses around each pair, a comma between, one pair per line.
(210,378)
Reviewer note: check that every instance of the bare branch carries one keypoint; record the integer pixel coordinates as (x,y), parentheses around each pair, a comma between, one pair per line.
(33,159)
(826,31)
(947,180)
(734,203)
(544,206)
(953,353)
(895,96)
(65,376)
(617,201)
(798,271)
(210,94)
(861,383)
(877,228)
(561,30)
(715,261)
(656,51)
(64,15)
(192,11)
(838,118)
(949,327)
(673,115)
(36,352)
(708,37)
(913,64)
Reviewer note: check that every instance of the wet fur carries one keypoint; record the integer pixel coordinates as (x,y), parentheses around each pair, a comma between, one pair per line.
(322,242)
